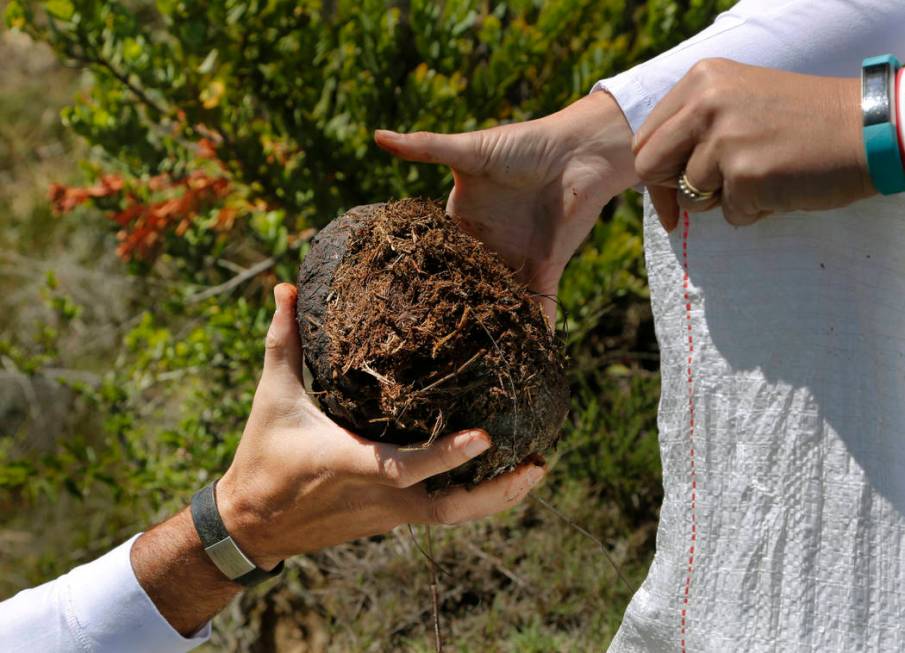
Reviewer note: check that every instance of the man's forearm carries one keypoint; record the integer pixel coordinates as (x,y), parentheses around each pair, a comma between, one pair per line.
(178,576)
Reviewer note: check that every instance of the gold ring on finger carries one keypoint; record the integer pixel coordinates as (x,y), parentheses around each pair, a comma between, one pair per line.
(692,193)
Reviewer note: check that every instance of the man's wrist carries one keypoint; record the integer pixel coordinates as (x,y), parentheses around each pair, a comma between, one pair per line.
(177,575)
(244,523)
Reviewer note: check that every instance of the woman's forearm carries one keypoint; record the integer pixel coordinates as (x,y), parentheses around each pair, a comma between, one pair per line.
(825,37)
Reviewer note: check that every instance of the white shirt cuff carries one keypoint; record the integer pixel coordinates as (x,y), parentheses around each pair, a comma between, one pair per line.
(108,610)
(638,90)
(631,96)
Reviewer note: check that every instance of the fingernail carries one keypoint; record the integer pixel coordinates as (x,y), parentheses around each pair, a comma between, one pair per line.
(283,293)
(388,134)
(534,475)
(477,445)
(276,299)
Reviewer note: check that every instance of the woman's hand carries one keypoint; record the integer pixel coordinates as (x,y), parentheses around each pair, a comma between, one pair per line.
(768,141)
(533,190)
(300,483)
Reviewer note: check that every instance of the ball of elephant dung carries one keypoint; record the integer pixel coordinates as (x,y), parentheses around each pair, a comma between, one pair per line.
(412,329)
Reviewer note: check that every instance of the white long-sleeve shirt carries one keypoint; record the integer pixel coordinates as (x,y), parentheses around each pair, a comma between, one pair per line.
(96,608)
(816,37)
(782,413)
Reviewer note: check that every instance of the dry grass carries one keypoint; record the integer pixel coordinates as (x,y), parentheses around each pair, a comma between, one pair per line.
(521,582)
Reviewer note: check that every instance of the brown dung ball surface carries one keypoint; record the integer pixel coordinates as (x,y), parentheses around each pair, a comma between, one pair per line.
(413,329)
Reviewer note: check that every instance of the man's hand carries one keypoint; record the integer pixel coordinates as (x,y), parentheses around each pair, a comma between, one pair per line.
(532,191)
(300,483)
(769,140)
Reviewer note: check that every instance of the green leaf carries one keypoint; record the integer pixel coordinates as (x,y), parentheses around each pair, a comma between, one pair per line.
(62,9)
(167,7)
(15,15)
(207,66)
(132,49)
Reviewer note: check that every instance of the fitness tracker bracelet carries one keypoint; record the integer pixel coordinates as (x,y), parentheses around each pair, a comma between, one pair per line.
(218,544)
(900,113)
(881,136)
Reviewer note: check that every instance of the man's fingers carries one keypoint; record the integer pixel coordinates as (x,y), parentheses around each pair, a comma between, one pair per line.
(282,348)
(459,504)
(402,467)
(454,150)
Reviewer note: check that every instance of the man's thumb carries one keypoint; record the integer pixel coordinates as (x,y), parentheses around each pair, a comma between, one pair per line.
(458,151)
(282,347)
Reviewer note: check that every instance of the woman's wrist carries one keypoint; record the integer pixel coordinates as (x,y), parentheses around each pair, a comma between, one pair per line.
(616,138)
(851,121)
(595,128)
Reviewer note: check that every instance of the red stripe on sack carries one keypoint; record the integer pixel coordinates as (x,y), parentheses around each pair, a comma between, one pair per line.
(694,480)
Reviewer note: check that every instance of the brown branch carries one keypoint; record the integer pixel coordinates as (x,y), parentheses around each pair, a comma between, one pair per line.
(367,369)
(95,59)
(499,565)
(435,597)
(124,79)
(425,553)
(451,375)
(237,280)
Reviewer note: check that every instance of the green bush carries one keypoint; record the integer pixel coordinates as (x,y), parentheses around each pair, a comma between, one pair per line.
(221,134)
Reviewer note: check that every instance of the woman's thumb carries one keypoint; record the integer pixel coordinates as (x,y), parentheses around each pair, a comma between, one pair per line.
(458,151)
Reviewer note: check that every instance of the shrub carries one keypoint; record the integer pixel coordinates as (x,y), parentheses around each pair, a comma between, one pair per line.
(222,134)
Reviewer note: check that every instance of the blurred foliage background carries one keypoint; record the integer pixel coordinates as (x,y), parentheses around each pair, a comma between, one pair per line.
(164,164)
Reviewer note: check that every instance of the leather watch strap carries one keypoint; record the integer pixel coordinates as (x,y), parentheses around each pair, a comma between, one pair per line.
(219,546)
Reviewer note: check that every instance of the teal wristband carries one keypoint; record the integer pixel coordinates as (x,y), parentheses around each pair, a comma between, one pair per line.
(881,136)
